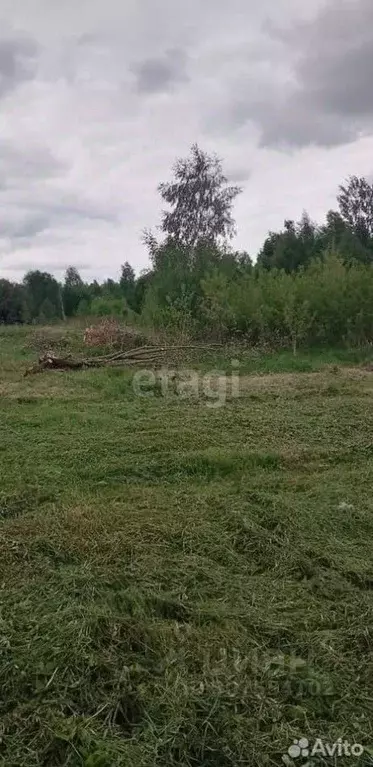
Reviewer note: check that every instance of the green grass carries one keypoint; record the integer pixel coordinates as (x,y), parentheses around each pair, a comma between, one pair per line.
(180,584)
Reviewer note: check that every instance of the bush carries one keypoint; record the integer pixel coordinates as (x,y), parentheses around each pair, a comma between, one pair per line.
(329,302)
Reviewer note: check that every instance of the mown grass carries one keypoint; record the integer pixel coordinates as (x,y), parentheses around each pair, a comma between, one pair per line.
(182,584)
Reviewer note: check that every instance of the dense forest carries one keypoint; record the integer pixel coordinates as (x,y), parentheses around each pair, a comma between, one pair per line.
(309,284)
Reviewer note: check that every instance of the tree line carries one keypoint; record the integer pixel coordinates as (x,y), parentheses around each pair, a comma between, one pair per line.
(309,284)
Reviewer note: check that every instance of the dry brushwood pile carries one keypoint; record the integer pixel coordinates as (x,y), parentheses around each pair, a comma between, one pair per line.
(154,356)
(109,332)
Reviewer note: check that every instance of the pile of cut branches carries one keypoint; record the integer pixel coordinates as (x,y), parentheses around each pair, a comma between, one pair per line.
(154,356)
(110,333)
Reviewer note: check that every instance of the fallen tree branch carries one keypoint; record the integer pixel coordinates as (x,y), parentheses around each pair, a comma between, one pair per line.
(140,356)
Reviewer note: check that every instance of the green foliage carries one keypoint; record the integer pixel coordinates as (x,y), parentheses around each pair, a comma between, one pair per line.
(356,206)
(43,296)
(328,302)
(83,309)
(200,200)
(128,284)
(142,285)
(12,303)
(176,287)
(291,248)
(108,306)
(174,314)
(74,291)
(298,244)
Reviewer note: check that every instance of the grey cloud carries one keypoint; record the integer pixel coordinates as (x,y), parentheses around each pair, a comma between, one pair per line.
(18,57)
(295,126)
(86,210)
(22,225)
(238,175)
(23,266)
(26,163)
(75,209)
(325,98)
(23,173)
(340,82)
(160,74)
(33,201)
(35,219)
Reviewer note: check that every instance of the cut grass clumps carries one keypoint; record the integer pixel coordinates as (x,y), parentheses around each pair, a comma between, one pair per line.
(16,503)
(181,585)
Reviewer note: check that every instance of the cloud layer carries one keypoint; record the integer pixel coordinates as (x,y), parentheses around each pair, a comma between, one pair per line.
(18,57)
(330,101)
(97,101)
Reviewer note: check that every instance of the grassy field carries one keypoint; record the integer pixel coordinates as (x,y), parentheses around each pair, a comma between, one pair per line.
(183,584)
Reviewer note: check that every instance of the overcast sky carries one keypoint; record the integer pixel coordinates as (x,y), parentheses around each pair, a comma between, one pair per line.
(98,98)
